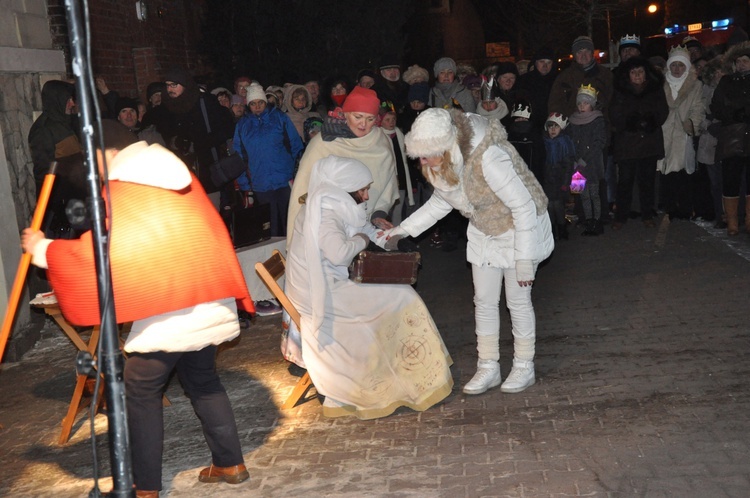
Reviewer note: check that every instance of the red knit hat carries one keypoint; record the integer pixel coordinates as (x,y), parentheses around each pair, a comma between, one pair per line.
(362,100)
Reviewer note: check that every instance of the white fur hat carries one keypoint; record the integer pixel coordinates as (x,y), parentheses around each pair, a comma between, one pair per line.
(431,134)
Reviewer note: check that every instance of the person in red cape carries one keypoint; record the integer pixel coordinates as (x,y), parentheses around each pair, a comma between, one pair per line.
(175,275)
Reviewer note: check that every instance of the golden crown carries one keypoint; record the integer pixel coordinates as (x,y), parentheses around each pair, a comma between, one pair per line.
(588,90)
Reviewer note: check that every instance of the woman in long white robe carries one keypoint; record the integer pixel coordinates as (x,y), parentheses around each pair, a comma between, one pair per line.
(369,348)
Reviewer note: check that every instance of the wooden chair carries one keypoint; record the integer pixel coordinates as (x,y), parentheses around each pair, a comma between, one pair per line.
(270,271)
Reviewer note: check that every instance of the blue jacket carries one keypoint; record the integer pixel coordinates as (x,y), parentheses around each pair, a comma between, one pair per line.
(260,140)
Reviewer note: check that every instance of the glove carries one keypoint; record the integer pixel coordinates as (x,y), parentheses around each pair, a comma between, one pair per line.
(524,270)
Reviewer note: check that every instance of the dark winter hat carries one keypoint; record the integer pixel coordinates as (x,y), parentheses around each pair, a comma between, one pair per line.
(472,81)
(154,88)
(506,68)
(389,61)
(419,91)
(365,72)
(125,103)
(582,42)
(178,75)
(544,53)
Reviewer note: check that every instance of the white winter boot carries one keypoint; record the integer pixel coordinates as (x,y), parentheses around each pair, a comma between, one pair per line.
(521,377)
(487,376)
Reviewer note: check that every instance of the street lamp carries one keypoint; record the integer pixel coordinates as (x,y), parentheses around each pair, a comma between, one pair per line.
(652,8)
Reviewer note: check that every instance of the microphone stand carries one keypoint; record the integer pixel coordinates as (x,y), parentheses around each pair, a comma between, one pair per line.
(110,357)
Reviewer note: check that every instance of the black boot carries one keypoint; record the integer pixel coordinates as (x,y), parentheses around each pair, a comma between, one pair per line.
(598,227)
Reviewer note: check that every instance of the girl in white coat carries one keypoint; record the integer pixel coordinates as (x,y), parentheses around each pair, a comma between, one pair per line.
(474,169)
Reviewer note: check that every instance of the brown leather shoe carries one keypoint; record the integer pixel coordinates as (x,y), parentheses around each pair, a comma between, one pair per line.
(232,475)
(139,493)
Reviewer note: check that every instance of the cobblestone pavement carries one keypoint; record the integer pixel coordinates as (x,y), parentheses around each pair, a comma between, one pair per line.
(643,389)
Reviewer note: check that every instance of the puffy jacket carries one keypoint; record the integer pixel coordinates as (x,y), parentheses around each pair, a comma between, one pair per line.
(269,144)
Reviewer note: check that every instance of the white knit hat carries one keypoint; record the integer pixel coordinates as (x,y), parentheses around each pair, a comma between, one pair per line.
(431,134)
(255,92)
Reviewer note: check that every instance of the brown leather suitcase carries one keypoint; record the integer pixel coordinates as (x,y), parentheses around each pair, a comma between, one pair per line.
(370,267)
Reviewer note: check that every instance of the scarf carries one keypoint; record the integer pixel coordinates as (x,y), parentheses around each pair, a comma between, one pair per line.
(334,128)
(558,149)
(676,83)
(584,118)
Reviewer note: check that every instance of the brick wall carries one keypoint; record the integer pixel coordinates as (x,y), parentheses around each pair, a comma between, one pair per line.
(128,53)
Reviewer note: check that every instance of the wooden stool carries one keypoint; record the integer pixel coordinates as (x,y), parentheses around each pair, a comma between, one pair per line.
(79,402)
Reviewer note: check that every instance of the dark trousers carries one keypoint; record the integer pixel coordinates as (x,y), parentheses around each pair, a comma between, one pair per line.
(675,194)
(279,201)
(146,377)
(629,171)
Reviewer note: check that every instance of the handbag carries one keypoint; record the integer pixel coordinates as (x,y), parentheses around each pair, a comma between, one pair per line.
(229,167)
(733,141)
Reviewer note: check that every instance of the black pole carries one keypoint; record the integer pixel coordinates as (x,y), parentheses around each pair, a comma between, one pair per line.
(111,360)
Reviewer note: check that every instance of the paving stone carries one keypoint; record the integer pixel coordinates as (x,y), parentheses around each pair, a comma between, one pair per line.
(643,389)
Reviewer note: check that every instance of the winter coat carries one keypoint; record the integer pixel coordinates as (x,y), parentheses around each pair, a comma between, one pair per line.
(707,142)
(638,113)
(731,103)
(685,112)
(190,128)
(564,91)
(52,136)
(395,92)
(269,144)
(537,88)
(589,140)
(298,117)
(558,167)
(454,91)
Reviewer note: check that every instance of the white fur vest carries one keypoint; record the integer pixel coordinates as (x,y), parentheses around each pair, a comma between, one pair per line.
(490,214)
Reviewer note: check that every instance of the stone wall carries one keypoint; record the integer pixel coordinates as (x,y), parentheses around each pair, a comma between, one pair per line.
(27,61)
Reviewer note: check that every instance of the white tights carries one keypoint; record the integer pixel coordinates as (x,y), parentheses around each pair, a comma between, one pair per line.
(487,288)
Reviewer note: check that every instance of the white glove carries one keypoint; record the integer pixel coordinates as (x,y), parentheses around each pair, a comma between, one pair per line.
(524,270)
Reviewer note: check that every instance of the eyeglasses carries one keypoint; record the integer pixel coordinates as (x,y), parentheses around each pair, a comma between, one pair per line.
(172,84)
